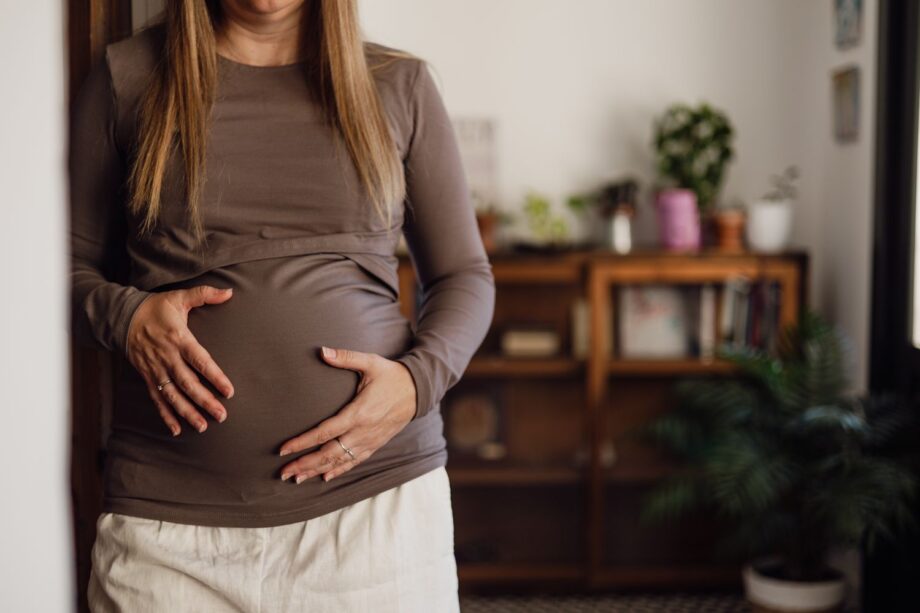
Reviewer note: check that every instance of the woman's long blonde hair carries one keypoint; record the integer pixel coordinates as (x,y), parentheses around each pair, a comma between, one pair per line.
(174,114)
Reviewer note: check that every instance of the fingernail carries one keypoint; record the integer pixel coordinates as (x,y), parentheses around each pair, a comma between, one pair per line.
(284,452)
(300,479)
(326,477)
(329,352)
(285,476)
(202,426)
(221,417)
(229,394)
(175,431)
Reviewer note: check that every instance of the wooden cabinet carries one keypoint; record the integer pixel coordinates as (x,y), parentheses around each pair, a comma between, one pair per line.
(562,506)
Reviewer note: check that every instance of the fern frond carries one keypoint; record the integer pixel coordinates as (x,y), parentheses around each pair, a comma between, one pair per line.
(671,499)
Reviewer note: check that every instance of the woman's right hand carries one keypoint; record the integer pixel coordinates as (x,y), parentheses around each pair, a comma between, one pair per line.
(161,346)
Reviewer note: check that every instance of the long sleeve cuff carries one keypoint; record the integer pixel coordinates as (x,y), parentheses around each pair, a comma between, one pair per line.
(106,314)
(424,397)
(453,321)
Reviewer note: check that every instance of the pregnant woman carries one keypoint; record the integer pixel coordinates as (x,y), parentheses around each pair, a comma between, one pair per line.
(249,166)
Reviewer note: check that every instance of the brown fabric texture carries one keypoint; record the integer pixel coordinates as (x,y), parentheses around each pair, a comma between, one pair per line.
(311,263)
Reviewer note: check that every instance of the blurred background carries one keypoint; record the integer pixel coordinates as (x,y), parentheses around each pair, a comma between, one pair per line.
(698,390)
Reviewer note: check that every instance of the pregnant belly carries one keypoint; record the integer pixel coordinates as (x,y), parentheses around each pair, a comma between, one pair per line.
(267,339)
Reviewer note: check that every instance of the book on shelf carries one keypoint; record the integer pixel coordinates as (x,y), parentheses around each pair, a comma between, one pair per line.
(534,340)
(653,322)
(682,321)
(707,322)
(750,313)
(581,328)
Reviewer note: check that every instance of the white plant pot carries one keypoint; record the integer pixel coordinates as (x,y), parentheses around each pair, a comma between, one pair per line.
(769,225)
(791,596)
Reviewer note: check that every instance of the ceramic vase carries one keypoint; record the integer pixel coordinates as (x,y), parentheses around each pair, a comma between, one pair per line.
(678,219)
(769,225)
(767,594)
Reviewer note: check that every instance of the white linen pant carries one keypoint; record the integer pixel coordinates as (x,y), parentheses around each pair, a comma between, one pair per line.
(391,552)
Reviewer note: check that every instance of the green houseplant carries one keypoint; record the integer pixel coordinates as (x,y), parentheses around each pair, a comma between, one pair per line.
(793,464)
(693,146)
(550,231)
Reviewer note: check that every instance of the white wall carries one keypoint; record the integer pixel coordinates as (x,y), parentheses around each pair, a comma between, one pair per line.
(575,87)
(839,193)
(36,553)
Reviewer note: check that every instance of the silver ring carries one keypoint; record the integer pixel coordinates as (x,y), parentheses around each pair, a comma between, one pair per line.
(347,450)
(164,384)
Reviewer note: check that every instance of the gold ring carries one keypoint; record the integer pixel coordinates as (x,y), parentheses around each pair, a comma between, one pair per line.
(347,450)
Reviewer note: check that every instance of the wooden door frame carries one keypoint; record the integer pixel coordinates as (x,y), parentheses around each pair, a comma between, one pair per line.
(91,25)
(891,569)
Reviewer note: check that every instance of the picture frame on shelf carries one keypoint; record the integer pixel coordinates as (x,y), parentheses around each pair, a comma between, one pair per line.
(475,425)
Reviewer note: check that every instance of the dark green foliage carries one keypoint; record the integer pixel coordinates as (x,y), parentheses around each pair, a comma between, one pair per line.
(693,147)
(791,461)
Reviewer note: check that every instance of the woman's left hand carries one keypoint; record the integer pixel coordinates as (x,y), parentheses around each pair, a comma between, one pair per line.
(383,405)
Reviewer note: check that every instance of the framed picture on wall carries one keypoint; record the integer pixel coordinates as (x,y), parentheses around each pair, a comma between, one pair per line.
(847,22)
(846,103)
(477,142)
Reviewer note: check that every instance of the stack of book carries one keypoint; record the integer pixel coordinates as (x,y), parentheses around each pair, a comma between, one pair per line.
(750,313)
(689,321)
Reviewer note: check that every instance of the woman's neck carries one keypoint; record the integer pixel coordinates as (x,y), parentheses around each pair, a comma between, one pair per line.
(259,38)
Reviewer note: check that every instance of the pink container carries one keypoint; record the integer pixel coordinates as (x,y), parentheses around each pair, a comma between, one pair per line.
(678,219)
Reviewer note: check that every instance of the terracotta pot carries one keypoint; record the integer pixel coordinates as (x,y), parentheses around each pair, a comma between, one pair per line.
(488,223)
(728,227)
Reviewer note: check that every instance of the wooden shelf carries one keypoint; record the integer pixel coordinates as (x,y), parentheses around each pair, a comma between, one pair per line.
(668,367)
(624,473)
(516,572)
(588,518)
(498,366)
(513,475)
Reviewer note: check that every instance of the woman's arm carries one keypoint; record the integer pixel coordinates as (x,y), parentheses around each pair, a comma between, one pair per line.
(446,248)
(458,300)
(101,308)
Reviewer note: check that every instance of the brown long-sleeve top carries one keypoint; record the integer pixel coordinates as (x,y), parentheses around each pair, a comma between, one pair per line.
(311,263)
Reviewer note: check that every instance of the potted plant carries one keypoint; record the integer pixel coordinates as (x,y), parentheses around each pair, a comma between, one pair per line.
(489,220)
(770,218)
(551,232)
(693,147)
(794,465)
(614,206)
